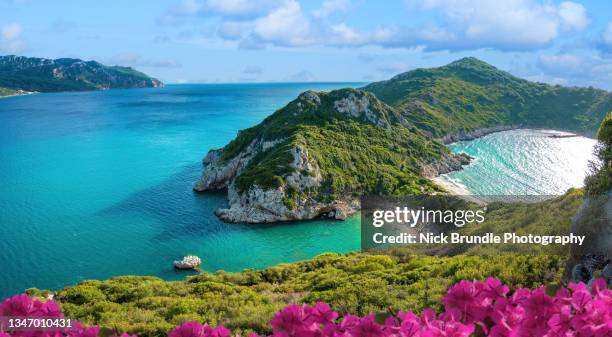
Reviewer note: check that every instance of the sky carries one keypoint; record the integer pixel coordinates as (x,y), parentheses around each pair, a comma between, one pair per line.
(204,41)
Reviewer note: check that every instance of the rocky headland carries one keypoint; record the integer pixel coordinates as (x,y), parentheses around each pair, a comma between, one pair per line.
(288,167)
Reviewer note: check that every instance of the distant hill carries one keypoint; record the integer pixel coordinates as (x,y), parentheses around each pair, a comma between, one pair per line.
(67,74)
(470,94)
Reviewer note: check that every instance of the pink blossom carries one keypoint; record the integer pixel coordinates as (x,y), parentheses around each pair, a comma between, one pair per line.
(575,311)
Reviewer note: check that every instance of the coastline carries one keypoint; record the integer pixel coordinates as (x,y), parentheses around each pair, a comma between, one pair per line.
(457,190)
(482,132)
(477,133)
(19,93)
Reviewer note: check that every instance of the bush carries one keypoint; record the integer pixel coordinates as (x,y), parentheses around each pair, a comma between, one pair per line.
(486,308)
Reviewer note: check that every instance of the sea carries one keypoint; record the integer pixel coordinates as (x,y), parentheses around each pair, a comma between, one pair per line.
(99,184)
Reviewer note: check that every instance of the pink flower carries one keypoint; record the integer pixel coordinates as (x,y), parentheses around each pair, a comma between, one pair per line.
(323,314)
(572,312)
(471,299)
(295,321)
(195,329)
(23,305)
(367,327)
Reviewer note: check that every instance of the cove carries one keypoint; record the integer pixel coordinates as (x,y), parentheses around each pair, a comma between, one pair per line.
(523,162)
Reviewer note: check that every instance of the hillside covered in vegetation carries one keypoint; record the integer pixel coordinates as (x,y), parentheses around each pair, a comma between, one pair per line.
(470,94)
(33,74)
(246,301)
(318,154)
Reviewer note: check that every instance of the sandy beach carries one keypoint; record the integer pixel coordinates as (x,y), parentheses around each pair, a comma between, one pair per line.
(457,190)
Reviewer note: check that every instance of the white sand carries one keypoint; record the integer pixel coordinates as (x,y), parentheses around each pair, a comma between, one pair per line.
(457,190)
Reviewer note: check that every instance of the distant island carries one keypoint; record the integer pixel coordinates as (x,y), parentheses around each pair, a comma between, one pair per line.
(317,155)
(21,75)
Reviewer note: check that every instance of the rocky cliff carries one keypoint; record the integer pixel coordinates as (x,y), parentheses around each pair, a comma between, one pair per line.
(316,156)
(65,74)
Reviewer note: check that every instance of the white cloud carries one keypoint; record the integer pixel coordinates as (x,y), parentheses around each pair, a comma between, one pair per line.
(136,60)
(343,35)
(330,6)
(459,25)
(10,38)
(577,69)
(242,8)
(573,15)
(229,9)
(285,26)
(502,24)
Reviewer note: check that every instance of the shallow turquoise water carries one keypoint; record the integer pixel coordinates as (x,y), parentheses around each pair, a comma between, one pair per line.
(523,162)
(98,184)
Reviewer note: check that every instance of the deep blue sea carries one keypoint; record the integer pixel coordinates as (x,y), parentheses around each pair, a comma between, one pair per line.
(98,184)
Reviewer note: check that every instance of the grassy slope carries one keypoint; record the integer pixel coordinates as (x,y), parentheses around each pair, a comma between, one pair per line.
(354,155)
(469,94)
(246,301)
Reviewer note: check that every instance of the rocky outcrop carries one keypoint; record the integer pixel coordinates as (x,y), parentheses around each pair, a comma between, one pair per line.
(359,107)
(471,135)
(592,258)
(448,163)
(188,262)
(297,190)
(259,205)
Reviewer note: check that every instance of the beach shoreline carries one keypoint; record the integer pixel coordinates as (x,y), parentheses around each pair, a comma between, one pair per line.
(457,190)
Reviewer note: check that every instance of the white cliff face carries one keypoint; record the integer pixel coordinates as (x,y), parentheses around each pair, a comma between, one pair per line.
(258,205)
(218,174)
(359,107)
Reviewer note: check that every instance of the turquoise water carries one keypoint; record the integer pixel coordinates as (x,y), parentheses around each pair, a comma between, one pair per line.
(523,162)
(98,184)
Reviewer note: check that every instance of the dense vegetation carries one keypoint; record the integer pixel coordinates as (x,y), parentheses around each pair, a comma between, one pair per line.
(354,154)
(246,301)
(469,94)
(7,91)
(45,75)
(545,218)
(600,180)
